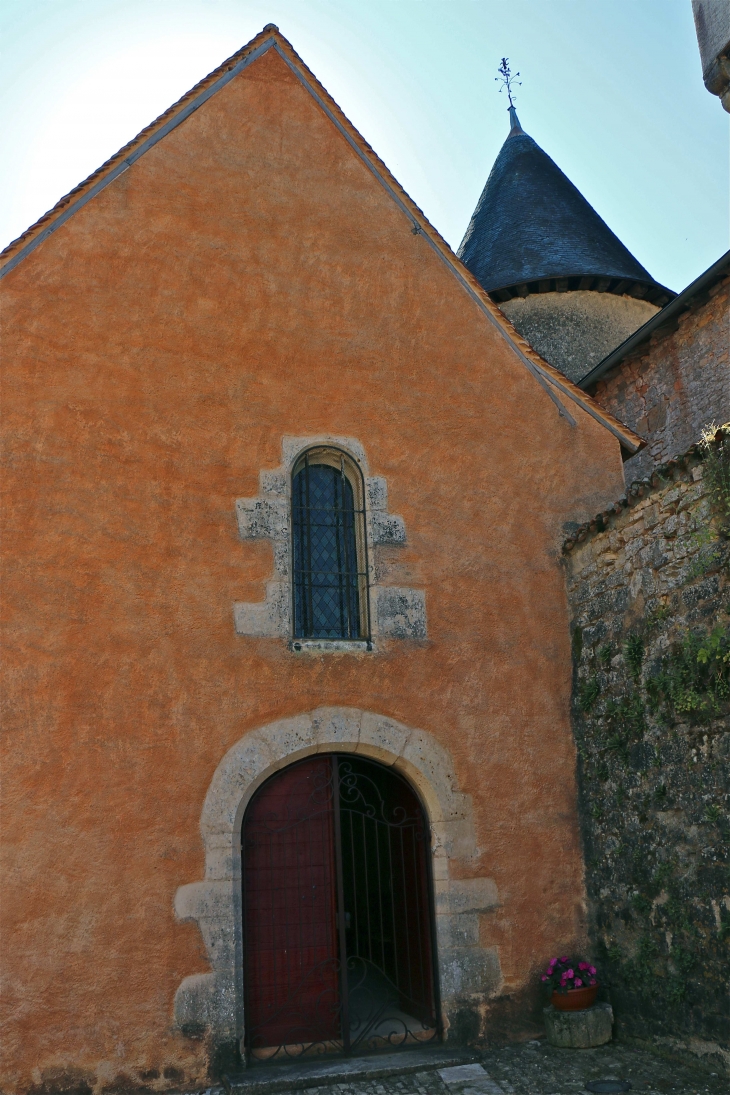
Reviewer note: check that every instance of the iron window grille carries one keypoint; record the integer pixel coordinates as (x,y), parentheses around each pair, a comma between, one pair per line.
(329,547)
(338,921)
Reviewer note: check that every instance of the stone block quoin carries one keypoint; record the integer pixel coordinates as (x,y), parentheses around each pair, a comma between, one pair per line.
(469,973)
(396,612)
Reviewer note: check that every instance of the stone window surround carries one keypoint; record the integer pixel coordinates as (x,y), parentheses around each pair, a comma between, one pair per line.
(395,612)
(469,973)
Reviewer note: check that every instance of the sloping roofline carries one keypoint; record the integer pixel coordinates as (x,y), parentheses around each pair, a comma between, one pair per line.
(533,231)
(549,378)
(669,313)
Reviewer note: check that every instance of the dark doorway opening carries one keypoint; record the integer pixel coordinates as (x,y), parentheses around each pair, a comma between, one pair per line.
(337,912)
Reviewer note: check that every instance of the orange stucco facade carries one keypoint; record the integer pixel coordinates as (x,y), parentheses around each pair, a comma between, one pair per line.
(249,279)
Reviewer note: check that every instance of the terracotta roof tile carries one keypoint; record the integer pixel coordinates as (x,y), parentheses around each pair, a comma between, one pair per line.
(118,157)
(550,378)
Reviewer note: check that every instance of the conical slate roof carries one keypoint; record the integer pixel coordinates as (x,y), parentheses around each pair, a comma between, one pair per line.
(532,225)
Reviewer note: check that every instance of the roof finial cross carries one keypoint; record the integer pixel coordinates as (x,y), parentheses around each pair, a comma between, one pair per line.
(507,78)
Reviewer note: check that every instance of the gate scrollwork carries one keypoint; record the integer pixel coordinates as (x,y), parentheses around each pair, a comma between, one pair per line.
(337,912)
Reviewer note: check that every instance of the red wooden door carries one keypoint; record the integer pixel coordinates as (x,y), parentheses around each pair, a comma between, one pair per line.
(291,967)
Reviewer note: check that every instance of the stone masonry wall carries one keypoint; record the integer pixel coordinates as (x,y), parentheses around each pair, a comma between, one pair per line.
(649,592)
(677,383)
(576,330)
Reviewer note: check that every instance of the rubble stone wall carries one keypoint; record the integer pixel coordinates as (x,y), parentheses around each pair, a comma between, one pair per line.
(576,330)
(650,600)
(675,385)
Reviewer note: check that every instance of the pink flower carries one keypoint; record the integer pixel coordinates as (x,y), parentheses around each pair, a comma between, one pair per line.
(582,965)
(592,971)
(564,958)
(578,982)
(593,981)
(544,978)
(569,973)
(553,961)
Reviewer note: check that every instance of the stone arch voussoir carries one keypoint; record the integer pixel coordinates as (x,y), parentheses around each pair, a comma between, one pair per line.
(213,1002)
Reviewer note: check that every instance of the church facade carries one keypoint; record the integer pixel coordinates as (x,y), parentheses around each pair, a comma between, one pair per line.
(283,602)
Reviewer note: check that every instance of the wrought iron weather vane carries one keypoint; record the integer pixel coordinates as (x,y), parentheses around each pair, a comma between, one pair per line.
(508,80)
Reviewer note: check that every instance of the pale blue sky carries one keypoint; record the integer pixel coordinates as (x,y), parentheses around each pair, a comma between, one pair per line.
(612,90)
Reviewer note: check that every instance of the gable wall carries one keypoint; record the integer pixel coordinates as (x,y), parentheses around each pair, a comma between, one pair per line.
(246,280)
(670,390)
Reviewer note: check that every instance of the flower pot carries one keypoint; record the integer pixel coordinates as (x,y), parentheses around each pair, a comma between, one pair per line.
(574,999)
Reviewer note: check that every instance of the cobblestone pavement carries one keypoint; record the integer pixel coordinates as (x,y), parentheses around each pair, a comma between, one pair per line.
(539,1069)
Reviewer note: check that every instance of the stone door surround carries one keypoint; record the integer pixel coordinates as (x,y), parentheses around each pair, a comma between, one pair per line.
(469,973)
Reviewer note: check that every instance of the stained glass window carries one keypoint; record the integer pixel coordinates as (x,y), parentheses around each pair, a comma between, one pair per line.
(328,545)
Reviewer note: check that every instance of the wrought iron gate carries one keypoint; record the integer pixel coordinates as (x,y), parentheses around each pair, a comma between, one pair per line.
(338,923)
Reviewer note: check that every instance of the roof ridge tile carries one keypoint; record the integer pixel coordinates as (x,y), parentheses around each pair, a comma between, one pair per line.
(548,376)
(134,143)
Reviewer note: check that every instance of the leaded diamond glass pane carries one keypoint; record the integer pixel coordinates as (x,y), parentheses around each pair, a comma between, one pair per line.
(326,578)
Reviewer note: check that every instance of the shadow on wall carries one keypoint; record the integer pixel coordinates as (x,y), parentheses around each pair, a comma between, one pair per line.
(650,596)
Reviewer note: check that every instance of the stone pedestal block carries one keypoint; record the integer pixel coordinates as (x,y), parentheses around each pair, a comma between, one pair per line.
(579,1029)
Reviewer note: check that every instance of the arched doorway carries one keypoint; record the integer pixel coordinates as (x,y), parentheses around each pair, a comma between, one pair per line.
(337,911)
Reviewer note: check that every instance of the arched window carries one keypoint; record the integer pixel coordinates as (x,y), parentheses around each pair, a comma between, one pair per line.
(338,938)
(328,533)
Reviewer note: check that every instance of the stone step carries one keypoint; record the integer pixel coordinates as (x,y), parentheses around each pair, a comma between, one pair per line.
(579,1029)
(265,1078)
(469,1080)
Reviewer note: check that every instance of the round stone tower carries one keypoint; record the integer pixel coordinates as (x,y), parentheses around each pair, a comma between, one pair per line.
(553,266)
